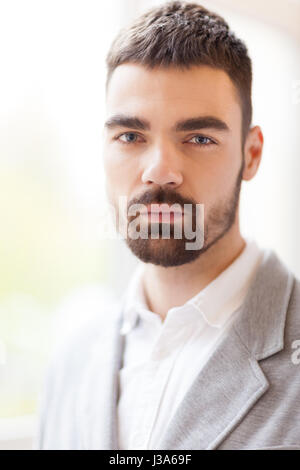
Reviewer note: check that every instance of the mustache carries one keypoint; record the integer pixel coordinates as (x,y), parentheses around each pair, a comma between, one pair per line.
(160,196)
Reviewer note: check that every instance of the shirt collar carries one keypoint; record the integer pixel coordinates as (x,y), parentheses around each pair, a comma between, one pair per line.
(222,296)
(135,300)
(215,303)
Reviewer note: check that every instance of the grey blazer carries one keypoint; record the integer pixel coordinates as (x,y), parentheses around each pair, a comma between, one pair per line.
(247,396)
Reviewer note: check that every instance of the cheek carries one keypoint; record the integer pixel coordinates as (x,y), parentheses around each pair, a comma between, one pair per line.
(112,166)
(214,182)
(119,174)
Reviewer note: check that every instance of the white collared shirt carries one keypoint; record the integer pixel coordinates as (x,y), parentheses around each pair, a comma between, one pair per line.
(162,358)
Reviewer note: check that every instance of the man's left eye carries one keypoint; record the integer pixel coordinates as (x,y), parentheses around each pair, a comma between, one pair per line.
(128,137)
(201,140)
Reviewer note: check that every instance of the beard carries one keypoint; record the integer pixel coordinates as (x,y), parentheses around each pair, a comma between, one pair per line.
(153,247)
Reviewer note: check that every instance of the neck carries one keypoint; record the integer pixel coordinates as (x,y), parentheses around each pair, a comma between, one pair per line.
(166,288)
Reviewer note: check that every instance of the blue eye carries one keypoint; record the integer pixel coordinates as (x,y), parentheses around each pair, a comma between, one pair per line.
(202,140)
(128,137)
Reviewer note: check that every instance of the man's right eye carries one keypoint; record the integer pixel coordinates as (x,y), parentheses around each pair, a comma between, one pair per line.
(127,137)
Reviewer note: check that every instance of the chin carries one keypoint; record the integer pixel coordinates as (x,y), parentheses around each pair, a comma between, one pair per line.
(165,253)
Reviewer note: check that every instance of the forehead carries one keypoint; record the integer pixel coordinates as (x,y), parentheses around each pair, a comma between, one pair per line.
(166,92)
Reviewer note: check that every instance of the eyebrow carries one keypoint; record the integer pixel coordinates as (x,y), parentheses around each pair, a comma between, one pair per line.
(192,124)
(202,122)
(121,120)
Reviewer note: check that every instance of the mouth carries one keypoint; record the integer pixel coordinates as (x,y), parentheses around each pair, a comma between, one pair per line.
(162,213)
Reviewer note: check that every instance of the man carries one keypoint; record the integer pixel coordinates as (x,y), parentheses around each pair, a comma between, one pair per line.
(203,350)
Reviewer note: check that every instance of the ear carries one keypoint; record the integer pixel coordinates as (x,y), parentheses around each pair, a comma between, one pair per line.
(253,151)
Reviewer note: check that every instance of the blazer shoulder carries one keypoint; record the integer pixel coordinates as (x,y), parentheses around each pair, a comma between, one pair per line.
(64,372)
(75,345)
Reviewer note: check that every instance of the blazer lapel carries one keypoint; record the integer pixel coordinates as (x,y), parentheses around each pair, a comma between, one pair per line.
(222,394)
(232,380)
(100,388)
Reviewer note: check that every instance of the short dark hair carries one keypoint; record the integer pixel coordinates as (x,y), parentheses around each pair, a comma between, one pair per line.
(183,34)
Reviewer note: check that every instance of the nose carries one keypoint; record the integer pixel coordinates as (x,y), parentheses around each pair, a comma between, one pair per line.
(163,168)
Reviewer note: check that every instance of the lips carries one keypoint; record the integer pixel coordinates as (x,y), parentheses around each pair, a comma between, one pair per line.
(155,209)
(161,213)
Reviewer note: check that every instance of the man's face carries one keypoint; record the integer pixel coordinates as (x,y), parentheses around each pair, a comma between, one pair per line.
(174,136)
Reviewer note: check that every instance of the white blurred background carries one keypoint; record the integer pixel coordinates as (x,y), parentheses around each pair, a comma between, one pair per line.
(52,257)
